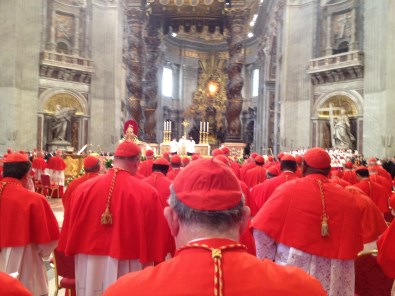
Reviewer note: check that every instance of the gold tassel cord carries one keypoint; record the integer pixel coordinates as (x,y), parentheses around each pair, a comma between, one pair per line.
(216,255)
(106,217)
(324,217)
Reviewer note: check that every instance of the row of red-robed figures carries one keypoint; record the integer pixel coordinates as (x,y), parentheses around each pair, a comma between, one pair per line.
(372,225)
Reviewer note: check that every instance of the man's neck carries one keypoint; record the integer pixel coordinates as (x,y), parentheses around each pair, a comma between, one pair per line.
(188,233)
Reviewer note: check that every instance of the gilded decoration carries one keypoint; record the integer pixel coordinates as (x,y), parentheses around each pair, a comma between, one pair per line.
(209,100)
(337,103)
(66,101)
(74,165)
(64,27)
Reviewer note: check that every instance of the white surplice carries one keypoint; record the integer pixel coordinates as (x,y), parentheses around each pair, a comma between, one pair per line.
(336,276)
(94,274)
(28,262)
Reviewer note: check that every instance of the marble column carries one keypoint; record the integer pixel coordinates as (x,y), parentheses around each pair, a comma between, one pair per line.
(152,43)
(135,17)
(379,71)
(235,22)
(353,42)
(52,28)
(76,47)
(328,49)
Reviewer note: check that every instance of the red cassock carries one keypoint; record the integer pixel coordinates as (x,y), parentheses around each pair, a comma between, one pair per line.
(39,163)
(12,287)
(235,166)
(246,238)
(376,192)
(56,163)
(383,173)
(261,192)
(25,217)
(191,272)
(298,172)
(339,181)
(137,225)
(73,185)
(145,167)
(350,177)
(245,168)
(373,223)
(173,173)
(255,176)
(162,184)
(383,182)
(386,247)
(292,216)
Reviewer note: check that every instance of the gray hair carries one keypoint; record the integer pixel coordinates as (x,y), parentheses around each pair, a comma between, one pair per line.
(130,158)
(219,220)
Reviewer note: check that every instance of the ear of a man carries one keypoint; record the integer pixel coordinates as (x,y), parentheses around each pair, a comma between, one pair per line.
(172,219)
(245,220)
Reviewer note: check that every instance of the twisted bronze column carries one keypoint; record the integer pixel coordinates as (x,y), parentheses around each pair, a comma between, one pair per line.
(235,24)
(135,17)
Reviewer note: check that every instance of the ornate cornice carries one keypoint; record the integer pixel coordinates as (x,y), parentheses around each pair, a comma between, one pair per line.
(299,2)
(105,3)
(65,67)
(72,3)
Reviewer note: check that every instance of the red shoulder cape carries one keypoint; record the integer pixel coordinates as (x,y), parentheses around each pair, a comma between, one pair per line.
(386,257)
(376,192)
(191,272)
(73,185)
(25,217)
(373,223)
(39,163)
(261,192)
(292,216)
(56,163)
(137,231)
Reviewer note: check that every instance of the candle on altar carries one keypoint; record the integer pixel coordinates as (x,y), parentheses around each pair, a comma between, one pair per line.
(169,125)
(207,127)
(200,127)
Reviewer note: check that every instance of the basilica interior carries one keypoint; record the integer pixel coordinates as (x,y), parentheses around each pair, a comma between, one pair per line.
(273,75)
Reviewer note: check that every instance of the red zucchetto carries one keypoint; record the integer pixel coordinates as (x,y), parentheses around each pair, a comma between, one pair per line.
(127,149)
(317,158)
(207,184)
(16,157)
(90,161)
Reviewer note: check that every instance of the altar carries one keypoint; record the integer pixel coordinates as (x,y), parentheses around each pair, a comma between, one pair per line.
(203,149)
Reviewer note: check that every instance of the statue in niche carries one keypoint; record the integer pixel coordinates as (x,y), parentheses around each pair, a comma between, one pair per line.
(60,122)
(342,133)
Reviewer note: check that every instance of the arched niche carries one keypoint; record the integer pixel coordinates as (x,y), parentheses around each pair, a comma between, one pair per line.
(77,127)
(330,105)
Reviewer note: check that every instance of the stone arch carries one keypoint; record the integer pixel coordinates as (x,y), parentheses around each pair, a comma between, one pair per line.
(64,97)
(349,100)
(351,95)
(77,128)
